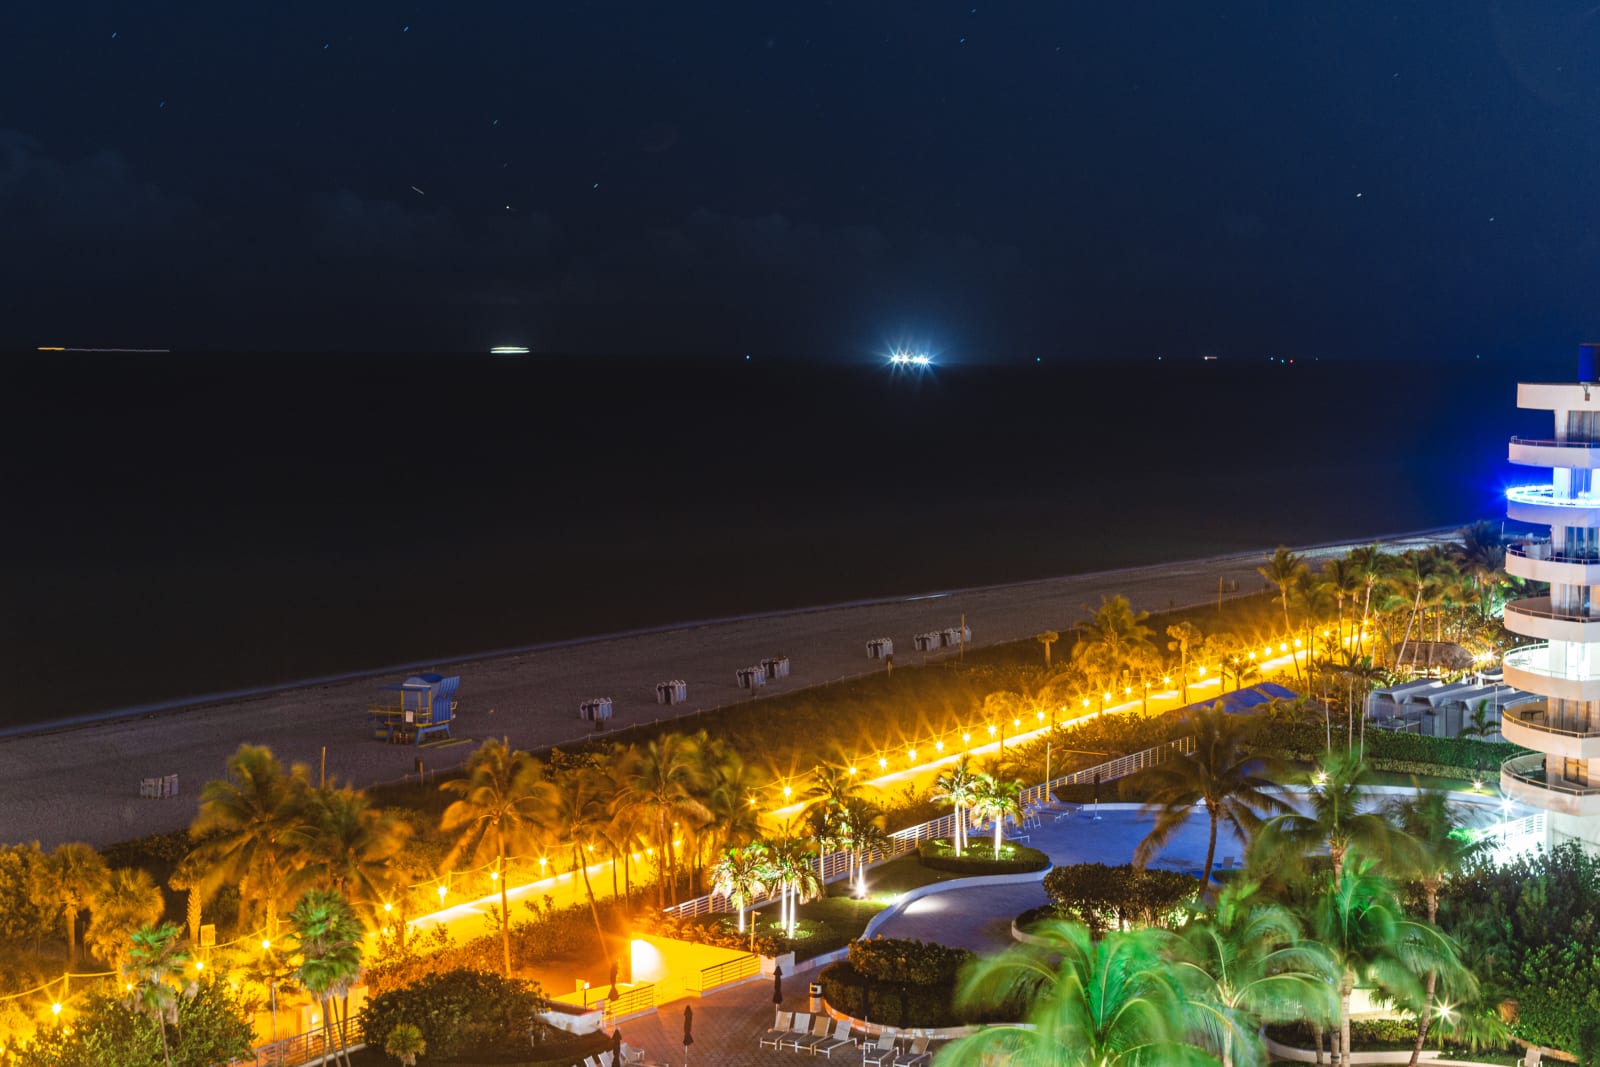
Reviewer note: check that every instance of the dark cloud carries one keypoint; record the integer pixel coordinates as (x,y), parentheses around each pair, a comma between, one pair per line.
(95,198)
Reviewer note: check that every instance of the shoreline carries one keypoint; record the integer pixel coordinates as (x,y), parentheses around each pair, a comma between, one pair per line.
(178,705)
(79,782)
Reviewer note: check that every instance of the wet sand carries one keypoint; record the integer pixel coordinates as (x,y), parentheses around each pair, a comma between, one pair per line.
(82,783)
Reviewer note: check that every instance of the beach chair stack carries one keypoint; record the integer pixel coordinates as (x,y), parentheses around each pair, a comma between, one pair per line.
(751,677)
(675,691)
(880,648)
(776,666)
(596,710)
(159,788)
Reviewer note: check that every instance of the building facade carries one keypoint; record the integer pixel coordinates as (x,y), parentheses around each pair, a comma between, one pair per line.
(1563,775)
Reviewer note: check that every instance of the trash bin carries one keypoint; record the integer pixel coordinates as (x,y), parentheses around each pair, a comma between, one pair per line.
(816,999)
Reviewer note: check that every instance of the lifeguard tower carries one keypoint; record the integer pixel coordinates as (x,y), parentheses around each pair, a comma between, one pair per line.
(423,704)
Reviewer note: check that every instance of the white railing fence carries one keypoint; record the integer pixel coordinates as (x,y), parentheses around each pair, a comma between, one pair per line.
(833,866)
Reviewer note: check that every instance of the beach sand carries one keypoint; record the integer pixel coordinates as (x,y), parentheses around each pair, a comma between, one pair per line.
(82,783)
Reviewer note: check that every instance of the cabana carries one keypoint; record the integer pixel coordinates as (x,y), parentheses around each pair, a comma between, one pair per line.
(776,666)
(880,648)
(675,691)
(752,677)
(423,704)
(596,710)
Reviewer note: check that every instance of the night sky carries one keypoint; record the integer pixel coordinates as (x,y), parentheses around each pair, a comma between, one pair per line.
(812,180)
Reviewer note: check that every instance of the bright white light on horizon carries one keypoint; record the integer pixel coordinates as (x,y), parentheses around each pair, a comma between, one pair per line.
(901,357)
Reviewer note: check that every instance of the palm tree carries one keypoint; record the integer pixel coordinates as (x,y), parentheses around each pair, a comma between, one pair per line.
(1482,555)
(1340,816)
(1357,917)
(1284,569)
(1246,965)
(832,786)
(1441,848)
(864,833)
(730,799)
(1479,725)
(995,798)
(74,875)
(1185,636)
(155,972)
(789,865)
(662,786)
(1373,566)
(127,902)
(405,1043)
(1422,575)
(580,818)
(1111,1002)
(1343,579)
(741,876)
(957,786)
(328,940)
(252,829)
(504,807)
(351,847)
(1048,638)
(1221,773)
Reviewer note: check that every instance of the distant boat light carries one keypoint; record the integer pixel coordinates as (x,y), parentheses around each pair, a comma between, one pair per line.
(508,350)
(903,359)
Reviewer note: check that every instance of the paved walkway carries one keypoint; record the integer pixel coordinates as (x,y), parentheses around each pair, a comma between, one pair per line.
(727,1026)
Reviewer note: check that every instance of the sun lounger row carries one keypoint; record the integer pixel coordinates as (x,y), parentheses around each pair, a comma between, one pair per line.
(821,1036)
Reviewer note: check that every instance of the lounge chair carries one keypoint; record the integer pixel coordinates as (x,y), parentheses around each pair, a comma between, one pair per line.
(804,1042)
(781,1025)
(882,1054)
(917,1055)
(1533,1057)
(840,1039)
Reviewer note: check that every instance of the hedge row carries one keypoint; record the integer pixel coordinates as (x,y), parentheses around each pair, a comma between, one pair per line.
(894,959)
(1103,897)
(979,859)
(1385,750)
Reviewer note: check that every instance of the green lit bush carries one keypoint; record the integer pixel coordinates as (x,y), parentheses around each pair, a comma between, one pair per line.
(892,959)
(1105,898)
(460,1012)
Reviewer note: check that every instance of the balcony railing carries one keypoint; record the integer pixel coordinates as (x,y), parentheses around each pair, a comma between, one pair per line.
(1536,717)
(1541,553)
(1545,495)
(1531,770)
(1539,608)
(1538,443)
(1535,659)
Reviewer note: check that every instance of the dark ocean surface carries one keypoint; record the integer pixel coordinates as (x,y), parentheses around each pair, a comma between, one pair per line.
(185,524)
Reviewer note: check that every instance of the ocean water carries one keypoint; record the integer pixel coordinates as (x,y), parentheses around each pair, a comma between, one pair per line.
(185,524)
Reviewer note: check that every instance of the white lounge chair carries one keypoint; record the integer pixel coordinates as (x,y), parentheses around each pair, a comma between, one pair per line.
(782,1023)
(840,1039)
(881,1054)
(1533,1057)
(805,1042)
(917,1055)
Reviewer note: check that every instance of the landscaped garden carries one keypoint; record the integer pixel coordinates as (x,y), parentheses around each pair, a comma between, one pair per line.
(658,815)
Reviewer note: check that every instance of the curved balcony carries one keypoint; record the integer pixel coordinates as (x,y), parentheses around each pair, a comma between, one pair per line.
(1529,668)
(1524,779)
(1539,504)
(1578,455)
(1534,617)
(1536,564)
(1530,726)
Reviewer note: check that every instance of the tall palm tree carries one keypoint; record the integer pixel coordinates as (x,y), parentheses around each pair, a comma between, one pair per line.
(741,876)
(503,810)
(328,941)
(662,786)
(1114,640)
(1343,579)
(734,817)
(127,902)
(957,787)
(1421,574)
(1340,815)
(1358,918)
(351,847)
(1048,638)
(155,970)
(1284,569)
(1222,773)
(1185,637)
(789,865)
(1482,555)
(579,816)
(996,798)
(1440,849)
(1372,564)
(832,786)
(1246,964)
(864,824)
(252,829)
(1112,1002)
(74,875)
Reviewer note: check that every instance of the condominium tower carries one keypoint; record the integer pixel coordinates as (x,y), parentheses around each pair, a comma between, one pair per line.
(1563,775)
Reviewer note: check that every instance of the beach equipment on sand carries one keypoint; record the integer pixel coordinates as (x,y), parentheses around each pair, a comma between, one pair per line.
(928,642)
(596,710)
(776,666)
(673,692)
(752,677)
(422,705)
(159,788)
(880,648)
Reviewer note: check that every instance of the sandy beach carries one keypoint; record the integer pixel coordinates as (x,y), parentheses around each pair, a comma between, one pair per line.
(82,783)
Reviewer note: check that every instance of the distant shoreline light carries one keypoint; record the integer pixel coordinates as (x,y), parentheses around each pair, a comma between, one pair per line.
(66,348)
(508,350)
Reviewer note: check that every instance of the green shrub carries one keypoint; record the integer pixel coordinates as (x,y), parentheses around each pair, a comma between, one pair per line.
(891,959)
(979,858)
(460,1011)
(1447,757)
(1103,897)
(212,1027)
